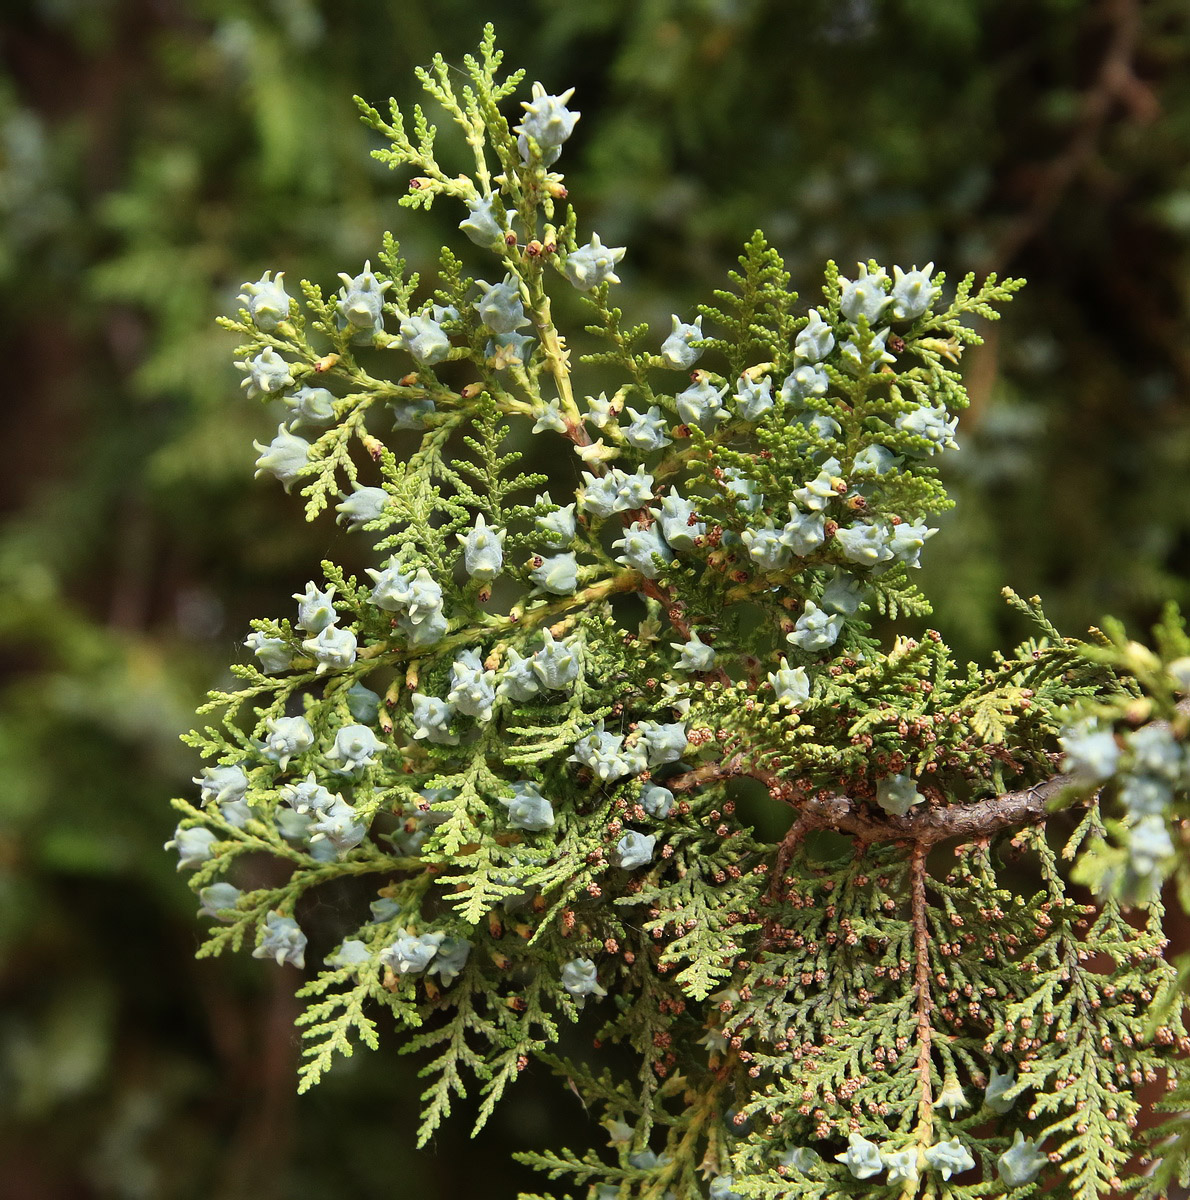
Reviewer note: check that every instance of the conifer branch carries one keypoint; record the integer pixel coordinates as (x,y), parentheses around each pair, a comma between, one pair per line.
(971,822)
(777,497)
(924,998)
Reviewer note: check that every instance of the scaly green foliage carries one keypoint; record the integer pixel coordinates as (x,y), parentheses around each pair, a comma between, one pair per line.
(525,735)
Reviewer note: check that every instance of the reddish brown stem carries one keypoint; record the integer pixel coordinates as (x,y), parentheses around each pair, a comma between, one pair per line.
(921,984)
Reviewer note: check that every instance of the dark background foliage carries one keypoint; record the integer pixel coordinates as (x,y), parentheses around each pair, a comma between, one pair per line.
(154,154)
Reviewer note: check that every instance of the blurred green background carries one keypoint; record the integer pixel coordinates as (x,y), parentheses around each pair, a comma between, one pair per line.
(155,154)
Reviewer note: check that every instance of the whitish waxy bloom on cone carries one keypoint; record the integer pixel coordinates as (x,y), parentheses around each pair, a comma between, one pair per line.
(425,339)
(222,785)
(865,295)
(391,588)
(694,654)
(902,1166)
(266,374)
(548,122)
(678,521)
(677,349)
(844,594)
(648,430)
(950,1158)
(661,743)
(907,539)
(864,544)
(816,339)
(450,960)
(411,414)
(815,629)
(581,979)
(331,648)
(800,1159)
(310,406)
(897,794)
(350,953)
(952,1098)
(855,354)
(767,548)
(874,460)
(803,382)
(528,808)
(356,747)
(803,533)
(557,574)
(934,425)
(753,398)
(643,549)
(701,404)
(286,738)
(791,686)
(744,492)
(483,551)
(635,849)
(482,225)
(194,846)
(556,664)
(602,412)
(861,1158)
(1021,1162)
(273,653)
(549,416)
(912,292)
(218,898)
(431,718)
(994,1094)
(592,264)
(505,350)
(361,303)
(472,689)
(337,825)
(410,954)
(283,458)
(656,800)
(1145,795)
(603,753)
(518,680)
(820,490)
(267,301)
(307,795)
(283,941)
(557,527)
(1149,844)
(316,609)
(1156,751)
(363,505)
(499,306)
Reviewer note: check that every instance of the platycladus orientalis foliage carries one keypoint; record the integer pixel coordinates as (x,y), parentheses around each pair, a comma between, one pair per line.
(529,730)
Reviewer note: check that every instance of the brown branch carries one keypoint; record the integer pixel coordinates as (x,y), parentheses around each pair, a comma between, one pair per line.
(923,827)
(921,984)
